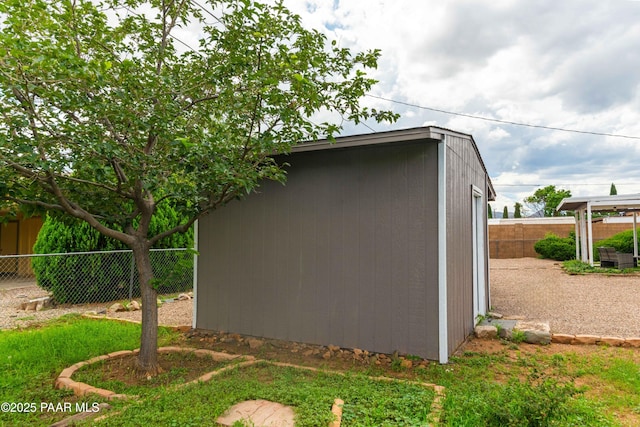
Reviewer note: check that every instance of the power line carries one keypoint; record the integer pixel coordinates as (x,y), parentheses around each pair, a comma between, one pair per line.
(438,110)
(562,185)
(507,122)
(208,12)
(128,9)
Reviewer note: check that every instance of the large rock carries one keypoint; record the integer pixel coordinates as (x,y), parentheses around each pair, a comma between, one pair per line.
(612,341)
(586,339)
(117,307)
(255,343)
(486,331)
(562,338)
(534,332)
(632,342)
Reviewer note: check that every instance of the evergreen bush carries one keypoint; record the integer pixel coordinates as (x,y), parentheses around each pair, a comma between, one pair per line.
(107,276)
(623,242)
(556,248)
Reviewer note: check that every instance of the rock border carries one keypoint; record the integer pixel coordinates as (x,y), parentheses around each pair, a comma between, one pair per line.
(532,337)
(632,342)
(64,381)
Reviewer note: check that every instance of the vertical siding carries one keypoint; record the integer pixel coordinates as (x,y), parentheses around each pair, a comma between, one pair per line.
(464,169)
(344,254)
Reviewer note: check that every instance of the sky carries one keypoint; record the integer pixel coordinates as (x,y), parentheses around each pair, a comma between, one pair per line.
(566,64)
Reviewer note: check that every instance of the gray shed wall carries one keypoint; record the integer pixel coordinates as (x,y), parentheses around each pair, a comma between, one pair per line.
(344,254)
(464,169)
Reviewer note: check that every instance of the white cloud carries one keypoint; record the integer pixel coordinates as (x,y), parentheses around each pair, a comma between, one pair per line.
(497,134)
(571,64)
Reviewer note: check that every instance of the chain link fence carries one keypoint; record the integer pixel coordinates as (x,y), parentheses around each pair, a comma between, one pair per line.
(90,277)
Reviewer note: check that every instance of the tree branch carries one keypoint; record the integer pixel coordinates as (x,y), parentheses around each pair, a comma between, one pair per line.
(200,100)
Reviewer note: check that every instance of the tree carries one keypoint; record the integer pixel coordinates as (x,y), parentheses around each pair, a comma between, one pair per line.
(545,200)
(612,190)
(100,277)
(517,210)
(107,118)
(489,211)
(505,213)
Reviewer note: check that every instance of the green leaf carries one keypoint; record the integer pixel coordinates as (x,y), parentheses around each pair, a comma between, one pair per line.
(105,115)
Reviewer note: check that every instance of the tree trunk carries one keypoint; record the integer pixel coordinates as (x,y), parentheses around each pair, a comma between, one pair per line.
(148,356)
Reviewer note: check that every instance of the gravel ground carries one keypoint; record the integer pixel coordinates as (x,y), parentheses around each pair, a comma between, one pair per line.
(176,313)
(592,304)
(526,287)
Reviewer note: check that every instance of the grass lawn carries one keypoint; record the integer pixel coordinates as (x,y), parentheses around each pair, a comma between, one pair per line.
(508,385)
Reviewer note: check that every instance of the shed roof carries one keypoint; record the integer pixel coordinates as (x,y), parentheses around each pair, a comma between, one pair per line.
(617,203)
(434,133)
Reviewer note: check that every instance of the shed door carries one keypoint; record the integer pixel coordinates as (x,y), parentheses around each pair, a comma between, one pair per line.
(479,285)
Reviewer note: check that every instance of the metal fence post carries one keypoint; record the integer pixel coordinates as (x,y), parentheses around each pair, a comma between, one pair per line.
(131,271)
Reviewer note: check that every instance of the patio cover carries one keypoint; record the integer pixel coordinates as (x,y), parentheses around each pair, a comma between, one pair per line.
(584,206)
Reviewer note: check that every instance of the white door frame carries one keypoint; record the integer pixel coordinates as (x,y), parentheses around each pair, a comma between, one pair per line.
(478,259)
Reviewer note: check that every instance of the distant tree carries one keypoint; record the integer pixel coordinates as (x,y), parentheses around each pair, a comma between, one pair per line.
(489,211)
(547,199)
(505,212)
(613,191)
(517,211)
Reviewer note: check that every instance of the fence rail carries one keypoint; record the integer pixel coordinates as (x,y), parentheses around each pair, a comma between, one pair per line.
(83,277)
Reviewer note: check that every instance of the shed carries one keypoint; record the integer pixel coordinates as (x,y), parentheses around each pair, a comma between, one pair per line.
(376,241)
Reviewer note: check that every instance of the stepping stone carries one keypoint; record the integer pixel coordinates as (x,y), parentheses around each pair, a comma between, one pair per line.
(258,413)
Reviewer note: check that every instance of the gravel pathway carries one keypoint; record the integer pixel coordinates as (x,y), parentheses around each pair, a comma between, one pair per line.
(526,287)
(176,313)
(592,304)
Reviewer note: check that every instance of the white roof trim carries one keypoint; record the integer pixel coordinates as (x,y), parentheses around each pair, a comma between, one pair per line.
(622,202)
(429,132)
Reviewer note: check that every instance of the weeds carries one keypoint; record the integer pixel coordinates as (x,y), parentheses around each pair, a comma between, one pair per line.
(539,400)
(576,267)
(518,336)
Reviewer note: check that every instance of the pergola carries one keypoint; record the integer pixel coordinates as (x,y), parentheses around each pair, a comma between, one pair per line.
(584,206)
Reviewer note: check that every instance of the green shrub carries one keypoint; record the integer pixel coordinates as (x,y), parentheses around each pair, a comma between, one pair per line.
(106,276)
(623,242)
(557,248)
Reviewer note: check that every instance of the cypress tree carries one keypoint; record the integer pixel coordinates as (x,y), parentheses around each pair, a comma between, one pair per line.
(517,213)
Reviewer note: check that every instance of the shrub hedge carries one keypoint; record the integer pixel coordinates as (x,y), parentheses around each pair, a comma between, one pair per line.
(623,242)
(557,248)
(106,277)
(564,248)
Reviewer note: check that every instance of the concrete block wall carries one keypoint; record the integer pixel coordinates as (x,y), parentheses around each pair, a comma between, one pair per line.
(517,239)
